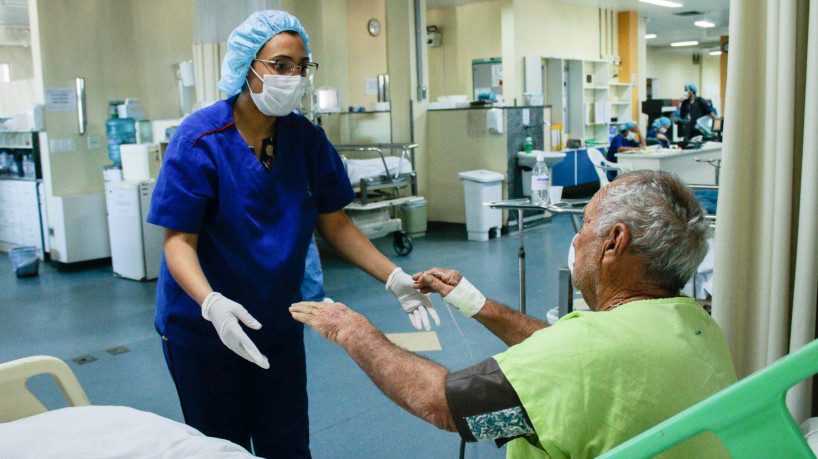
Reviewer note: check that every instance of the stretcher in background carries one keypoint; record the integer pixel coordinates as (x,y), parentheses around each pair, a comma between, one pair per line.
(378,183)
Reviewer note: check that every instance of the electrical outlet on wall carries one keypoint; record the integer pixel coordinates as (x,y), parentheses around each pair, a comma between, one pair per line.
(93,142)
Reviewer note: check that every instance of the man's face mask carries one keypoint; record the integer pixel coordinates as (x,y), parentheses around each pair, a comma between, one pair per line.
(572,255)
(631,136)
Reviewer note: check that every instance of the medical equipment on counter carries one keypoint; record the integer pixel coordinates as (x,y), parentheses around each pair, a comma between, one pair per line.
(377,183)
(327,100)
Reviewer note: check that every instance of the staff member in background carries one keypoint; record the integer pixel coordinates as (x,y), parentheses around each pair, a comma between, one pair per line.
(625,140)
(244,184)
(658,131)
(694,107)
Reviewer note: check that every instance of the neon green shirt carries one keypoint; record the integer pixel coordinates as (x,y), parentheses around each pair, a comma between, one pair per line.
(595,379)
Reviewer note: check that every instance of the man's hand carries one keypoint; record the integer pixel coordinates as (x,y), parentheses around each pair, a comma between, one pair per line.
(417,305)
(453,288)
(331,320)
(440,281)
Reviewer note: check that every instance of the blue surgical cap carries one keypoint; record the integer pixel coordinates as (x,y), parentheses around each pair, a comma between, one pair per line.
(691,87)
(247,39)
(625,126)
(661,121)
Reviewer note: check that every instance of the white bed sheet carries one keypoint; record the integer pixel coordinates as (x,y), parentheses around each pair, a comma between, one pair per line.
(109,432)
(369,168)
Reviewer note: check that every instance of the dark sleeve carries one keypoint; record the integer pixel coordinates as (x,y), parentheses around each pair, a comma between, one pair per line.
(485,406)
(704,107)
(185,184)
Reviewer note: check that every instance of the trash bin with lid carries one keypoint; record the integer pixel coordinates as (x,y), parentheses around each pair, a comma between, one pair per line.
(481,186)
(413,215)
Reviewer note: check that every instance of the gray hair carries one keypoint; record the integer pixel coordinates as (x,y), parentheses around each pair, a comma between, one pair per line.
(666,222)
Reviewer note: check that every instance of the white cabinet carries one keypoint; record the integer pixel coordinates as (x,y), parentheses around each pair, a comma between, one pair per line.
(20,214)
(584,100)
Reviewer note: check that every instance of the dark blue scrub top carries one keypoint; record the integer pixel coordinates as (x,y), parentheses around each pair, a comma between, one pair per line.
(652,135)
(254,227)
(617,142)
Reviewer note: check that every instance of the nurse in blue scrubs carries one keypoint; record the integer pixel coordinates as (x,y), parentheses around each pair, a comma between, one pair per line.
(626,140)
(244,184)
(658,131)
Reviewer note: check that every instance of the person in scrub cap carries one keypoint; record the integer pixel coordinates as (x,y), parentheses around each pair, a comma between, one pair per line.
(658,131)
(628,139)
(244,184)
(694,107)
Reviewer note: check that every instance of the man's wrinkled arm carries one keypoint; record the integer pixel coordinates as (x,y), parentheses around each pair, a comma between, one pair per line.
(414,383)
(511,326)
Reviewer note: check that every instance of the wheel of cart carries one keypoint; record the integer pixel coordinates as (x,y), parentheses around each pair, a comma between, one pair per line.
(402,243)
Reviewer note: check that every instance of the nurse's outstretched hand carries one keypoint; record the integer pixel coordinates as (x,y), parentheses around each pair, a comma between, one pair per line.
(225,315)
(416,304)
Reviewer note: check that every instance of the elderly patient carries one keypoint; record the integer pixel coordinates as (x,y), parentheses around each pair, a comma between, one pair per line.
(593,379)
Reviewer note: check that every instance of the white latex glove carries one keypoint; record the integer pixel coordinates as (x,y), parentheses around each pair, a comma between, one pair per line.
(416,304)
(225,315)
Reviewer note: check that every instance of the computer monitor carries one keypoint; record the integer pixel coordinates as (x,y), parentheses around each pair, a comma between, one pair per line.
(717,125)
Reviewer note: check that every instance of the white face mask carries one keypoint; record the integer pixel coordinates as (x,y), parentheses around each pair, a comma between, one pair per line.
(572,255)
(280,94)
(663,130)
(631,136)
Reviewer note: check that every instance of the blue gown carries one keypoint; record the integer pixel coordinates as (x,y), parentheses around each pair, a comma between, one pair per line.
(617,142)
(652,135)
(254,231)
(254,227)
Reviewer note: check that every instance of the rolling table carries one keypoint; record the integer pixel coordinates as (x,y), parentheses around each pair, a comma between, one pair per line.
(572,207)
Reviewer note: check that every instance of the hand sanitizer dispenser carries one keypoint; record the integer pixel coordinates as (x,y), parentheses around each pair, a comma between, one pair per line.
(494,121)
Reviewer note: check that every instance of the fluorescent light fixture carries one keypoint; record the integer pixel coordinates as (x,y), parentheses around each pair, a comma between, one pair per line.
(667,3)
(684,43)
(650,36)
(715,53)
(704,23)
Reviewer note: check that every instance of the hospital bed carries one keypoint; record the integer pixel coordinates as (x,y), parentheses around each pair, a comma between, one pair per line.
(29,429)
(378,181)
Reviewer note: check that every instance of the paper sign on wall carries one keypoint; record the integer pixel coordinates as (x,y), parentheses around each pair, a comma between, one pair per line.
(496,75)
(372,86)
(60,99)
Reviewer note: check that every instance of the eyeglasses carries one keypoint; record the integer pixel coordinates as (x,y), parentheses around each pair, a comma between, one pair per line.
(287,67)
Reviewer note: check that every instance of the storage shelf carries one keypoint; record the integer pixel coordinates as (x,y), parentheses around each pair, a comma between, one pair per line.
(596,87)
(619,102)
(621,84)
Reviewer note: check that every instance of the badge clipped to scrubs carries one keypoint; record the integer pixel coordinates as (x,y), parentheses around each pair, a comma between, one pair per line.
(267,154)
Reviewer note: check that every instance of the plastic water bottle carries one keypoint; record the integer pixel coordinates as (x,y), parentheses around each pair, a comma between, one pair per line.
(540,181)
(529,144)
(119,131)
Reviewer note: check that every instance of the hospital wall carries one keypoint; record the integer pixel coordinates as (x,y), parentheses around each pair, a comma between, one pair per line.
(122,49)
(512,29)
(673,70)
(366,54)
(17,94)
(468,32)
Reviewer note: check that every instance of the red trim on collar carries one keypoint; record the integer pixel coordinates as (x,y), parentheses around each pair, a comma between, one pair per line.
(211,132)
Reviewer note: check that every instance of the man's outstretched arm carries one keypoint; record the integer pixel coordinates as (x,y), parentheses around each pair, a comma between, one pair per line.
(414,383)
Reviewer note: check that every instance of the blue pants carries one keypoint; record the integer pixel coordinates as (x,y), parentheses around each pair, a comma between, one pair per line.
(312,287)
(224,396)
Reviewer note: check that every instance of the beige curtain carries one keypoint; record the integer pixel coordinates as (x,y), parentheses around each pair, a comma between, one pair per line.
(766,276)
